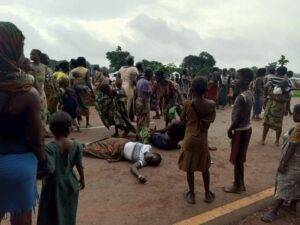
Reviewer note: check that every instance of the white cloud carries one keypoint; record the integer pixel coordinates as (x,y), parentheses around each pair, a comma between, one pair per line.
(237,32)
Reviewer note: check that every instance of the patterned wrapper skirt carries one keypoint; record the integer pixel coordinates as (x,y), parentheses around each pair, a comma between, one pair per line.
(110,148)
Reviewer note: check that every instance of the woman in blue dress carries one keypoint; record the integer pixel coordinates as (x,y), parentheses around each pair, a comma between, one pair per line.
(21,141)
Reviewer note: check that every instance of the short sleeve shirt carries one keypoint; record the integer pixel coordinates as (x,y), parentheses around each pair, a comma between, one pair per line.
(135,152)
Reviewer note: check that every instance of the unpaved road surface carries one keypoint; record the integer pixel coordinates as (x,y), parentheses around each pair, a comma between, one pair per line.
(113,196)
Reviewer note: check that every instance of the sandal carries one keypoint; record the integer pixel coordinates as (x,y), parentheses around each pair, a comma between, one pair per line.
(189,197)
(269,217)
(209,197)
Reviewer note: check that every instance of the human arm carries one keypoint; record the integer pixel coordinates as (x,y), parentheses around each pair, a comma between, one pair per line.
(236,115)
(134,170)
(183,114)
(208,118)
(79,166)
(164,130)
(88,82)
(35,131)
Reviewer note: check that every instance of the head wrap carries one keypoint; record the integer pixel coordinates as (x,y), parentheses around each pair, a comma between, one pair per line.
(11,48)
(11,59)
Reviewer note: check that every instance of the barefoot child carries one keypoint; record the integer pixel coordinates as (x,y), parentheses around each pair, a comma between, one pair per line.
(240,130)
(288,176)
(198,114)
(59,197)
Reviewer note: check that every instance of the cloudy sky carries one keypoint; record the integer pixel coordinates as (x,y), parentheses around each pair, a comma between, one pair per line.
(237,33)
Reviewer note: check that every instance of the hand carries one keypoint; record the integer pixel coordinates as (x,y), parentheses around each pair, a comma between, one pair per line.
(82,184)
(230,133)
(282,168)
(112,160)
(142,179)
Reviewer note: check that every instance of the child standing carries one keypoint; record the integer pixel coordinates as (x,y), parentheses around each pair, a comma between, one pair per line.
(59,197)
(198,114)
(288,176)
(70,105)
(240,130)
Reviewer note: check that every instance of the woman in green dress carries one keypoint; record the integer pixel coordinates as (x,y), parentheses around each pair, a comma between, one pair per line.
(59,197)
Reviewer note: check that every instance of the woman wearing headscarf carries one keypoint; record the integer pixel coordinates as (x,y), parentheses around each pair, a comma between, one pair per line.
(20,130)
(39,71)
(51,86)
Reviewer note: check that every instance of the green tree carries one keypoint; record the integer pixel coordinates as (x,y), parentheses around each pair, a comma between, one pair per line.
(283,61)
(254,69)
(199,65)
(272,65)
(117,58)
(154,65)
(171,68)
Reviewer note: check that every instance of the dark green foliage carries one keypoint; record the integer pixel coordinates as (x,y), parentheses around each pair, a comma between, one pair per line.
(117,59)
(283,61)
(199,65)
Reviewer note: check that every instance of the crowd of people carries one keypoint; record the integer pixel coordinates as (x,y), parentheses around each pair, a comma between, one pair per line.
(37,102)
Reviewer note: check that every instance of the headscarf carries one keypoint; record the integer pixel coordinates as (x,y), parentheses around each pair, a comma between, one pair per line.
(11,59)
(11,48)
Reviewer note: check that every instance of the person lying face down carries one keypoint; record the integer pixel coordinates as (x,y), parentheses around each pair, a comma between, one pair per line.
(169,137)
(120,149)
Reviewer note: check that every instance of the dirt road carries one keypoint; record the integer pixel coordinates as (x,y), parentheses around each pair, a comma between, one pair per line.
(113,196)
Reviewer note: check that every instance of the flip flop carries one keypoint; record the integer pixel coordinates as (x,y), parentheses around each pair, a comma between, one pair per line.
(269,217)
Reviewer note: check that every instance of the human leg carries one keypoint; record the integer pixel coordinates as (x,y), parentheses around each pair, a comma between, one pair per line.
(236,187)
(209,196)
(189,195)
(87,118)
(255,108)
(278,135)
(265,133)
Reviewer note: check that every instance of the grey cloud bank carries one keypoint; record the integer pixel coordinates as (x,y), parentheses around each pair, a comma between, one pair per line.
(238,33)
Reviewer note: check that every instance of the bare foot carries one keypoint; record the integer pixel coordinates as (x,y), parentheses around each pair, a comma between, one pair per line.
(189,197)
